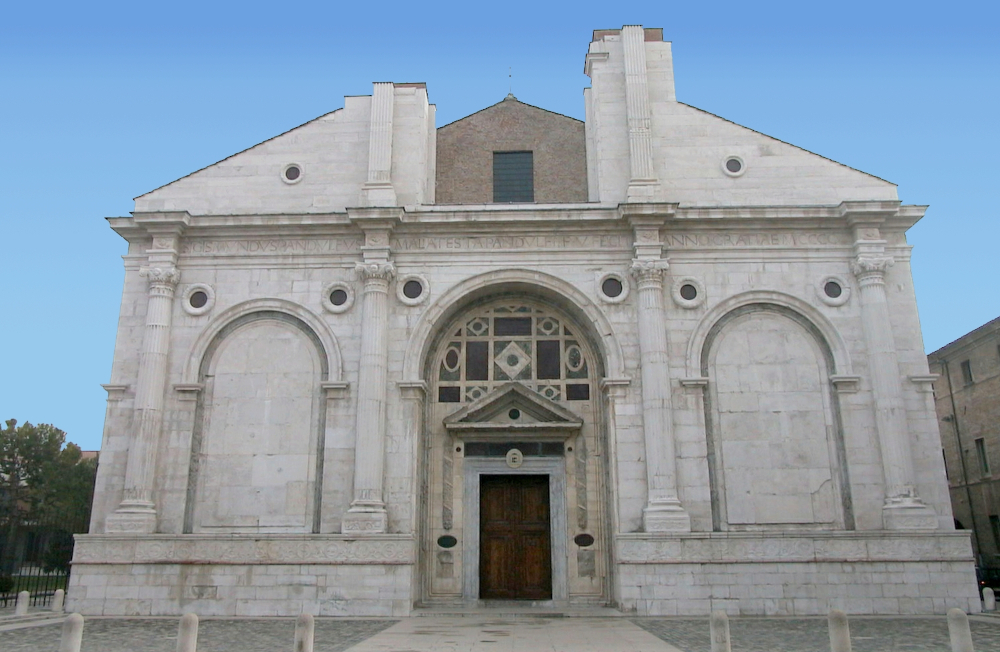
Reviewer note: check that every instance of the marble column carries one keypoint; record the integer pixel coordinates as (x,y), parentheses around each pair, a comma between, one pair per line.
(367,512)
(137,512)
(903,508)
(643,184)
(663,511)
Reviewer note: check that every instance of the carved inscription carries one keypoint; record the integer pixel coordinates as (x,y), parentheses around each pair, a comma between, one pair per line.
(749,240)
(266,246)
(501,242)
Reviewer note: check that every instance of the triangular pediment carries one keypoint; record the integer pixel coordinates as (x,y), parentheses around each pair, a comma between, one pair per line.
(512,408)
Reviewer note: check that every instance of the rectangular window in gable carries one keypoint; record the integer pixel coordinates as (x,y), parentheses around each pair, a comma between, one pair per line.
(513,177)
(967,372)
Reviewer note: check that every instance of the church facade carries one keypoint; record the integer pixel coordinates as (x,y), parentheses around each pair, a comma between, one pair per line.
(653,360)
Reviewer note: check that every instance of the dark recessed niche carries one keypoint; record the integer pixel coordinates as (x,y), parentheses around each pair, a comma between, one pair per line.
(514,413)
(583,540)
(338,297)
(447,541)
(198,299)
(833,289)
(458,449)
(292,172)
(569,449)
(611,287)
(688,292)
(412,289)
(734,165)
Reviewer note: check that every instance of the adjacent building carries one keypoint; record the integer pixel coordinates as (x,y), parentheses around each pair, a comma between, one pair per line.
(653,360)
(967,396)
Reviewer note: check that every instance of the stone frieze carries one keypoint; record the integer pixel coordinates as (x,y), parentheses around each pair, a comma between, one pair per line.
(244,549)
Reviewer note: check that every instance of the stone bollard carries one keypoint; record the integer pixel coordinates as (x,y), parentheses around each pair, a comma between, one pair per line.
(989,600)
(58,598)
(718,625)
(187,633)
(304,629)
(958,630)
(840,631)
(72,634)
(21,606)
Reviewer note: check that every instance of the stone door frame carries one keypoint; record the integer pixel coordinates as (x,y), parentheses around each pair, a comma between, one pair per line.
(555,468)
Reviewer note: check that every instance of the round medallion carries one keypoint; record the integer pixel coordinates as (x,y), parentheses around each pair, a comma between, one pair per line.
(515,458)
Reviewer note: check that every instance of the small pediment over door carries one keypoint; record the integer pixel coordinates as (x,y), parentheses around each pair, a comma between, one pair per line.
(513,410)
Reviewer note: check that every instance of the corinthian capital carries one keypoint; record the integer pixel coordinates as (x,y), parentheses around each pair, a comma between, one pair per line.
(871,265)
(161,275)
(376,271)
(648,271)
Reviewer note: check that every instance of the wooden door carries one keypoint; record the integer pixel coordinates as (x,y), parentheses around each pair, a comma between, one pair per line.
(515,552)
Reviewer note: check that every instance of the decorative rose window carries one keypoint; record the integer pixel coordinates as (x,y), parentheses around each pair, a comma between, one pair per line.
(513,342)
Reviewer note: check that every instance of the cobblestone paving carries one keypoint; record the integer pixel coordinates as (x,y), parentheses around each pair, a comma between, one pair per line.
(928,634)
(160,635)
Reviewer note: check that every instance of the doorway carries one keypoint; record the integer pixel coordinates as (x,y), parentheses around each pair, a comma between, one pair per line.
(515,548)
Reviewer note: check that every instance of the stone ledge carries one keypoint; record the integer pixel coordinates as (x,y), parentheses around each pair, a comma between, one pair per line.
(244,549)
(805,547)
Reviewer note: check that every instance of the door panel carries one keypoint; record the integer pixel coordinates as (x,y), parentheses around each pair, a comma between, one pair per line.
(515,551)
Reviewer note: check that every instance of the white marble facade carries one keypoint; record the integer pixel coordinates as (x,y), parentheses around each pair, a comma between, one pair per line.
(291,404)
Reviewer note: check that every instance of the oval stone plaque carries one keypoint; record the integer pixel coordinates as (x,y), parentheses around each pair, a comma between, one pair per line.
(447,541)
(514,458)
(583,540)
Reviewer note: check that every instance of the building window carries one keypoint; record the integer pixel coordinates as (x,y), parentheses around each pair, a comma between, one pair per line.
(513,342)
(984,462)
(513,177)
(995,526)
(967,372)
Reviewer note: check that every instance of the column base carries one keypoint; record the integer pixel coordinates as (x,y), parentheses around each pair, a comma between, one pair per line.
(642,190)
(132,518)
(670,517)
(365,520)
(375,193)
(908,515)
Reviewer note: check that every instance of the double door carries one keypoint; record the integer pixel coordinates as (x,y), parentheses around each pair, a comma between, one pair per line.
(515,547)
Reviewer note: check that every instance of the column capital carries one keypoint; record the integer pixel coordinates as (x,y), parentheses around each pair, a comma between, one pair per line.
(649,273)
(866,267)
(375,271)
(161,276)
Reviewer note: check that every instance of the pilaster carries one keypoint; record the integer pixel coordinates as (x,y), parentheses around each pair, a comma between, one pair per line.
(367,513)
(643,185)
(137,512)
(663,511)
(378,189)
(903,509)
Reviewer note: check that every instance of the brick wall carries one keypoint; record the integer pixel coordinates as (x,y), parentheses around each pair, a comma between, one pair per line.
(465,153)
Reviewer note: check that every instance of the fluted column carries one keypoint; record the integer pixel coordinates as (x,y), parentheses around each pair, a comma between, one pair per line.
(663,511)
(137,512)
(643,184)
(367,512)
(903,508)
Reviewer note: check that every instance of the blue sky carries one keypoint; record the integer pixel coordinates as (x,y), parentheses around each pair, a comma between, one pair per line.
(101,102)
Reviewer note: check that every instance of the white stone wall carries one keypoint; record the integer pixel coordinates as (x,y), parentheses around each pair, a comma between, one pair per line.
(773,235)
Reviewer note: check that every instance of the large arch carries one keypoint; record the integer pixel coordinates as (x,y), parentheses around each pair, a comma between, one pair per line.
(310,324)
(827,365)
(451,472)
(206,349)
(829,333)
(524,281)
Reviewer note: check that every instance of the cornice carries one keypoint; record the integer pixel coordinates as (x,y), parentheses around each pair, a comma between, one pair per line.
(888,215)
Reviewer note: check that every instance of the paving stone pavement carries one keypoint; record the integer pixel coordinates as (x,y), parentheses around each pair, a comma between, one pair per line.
(511,634)
(160,635)
(916,634)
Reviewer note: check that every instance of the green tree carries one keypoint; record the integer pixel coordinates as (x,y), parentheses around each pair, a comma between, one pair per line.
(42,481)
